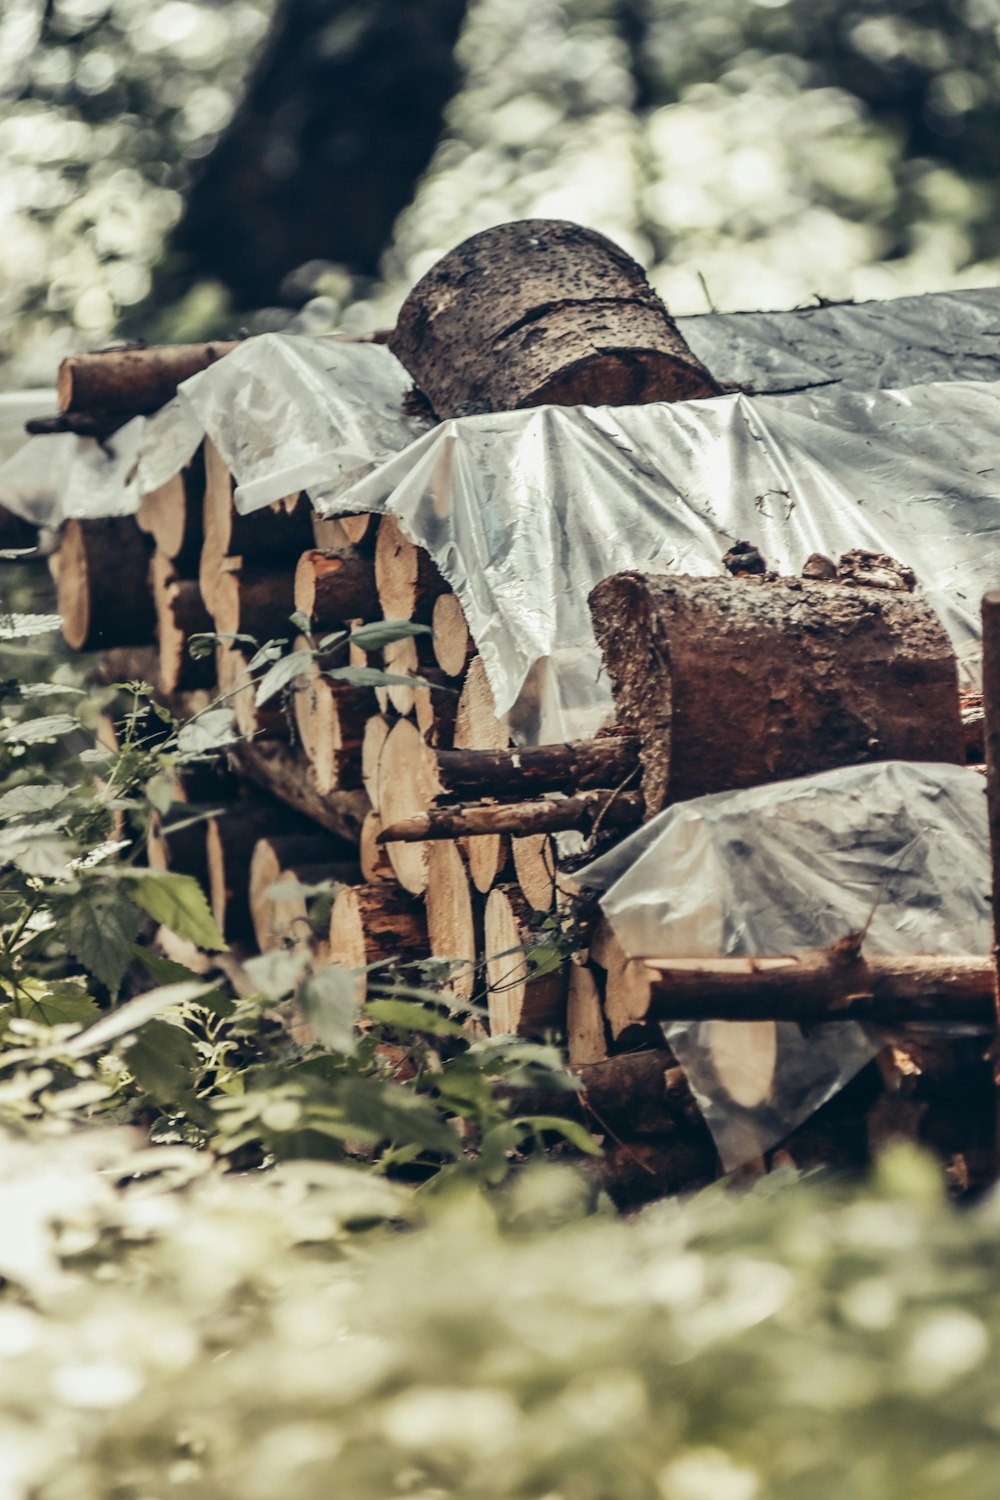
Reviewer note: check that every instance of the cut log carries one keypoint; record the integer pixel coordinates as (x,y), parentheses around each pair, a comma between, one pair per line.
(435,708)
(589,813)
(407,782)
(375,736)
(175,841)
(280,917)
(253,600)
(331,718)
(520,772)
(375,924)
(406,576)
(375,862)
(285,774)
(173,514)
(535,866)
(217,505)
(585,1039)
(180,614)
(626,983)
(361,531)
(238,690)
(97,425)
(137,381)
(478,727)
(732,682)
(453,645)
(103,589)
(332,587)
(835,984)
(451,925)
(521,1001)
(542,311)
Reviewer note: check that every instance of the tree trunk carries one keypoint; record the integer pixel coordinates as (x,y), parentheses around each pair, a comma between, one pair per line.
(138,380)
(587,813)
(406,576)
(734,682)
(180,614)
(373,924)
(520,772)
(284,773)
(103,588)
(542,311)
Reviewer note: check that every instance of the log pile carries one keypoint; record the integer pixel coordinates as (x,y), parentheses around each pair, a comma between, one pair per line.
(400,793)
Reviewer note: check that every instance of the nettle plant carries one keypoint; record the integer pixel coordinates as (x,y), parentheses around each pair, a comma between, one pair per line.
(95,1023)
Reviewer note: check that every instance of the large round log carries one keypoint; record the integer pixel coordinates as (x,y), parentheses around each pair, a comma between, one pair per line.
(172,515)
(103,584)
(334,586)
(542,311)
(733,682)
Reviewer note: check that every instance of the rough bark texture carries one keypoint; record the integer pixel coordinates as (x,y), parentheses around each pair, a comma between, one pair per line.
(375,923)
(588,812)
(518,773)
(285,774)
(132,380)
(735,682)
(334,586)
(542,311)
(103,588)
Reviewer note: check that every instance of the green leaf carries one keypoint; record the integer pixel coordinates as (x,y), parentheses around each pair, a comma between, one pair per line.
(99,929)
(50,690)
(301,621)
(212,730)
(281,674)
(23,801)
(177,902)
(373,677)
(129,1017)
(277,973)
(405,1016)
(57,1004)
(383,632)
(570,1130)
(168,971)
(329,1002)
(162,1060)
(34,731)
(16,627)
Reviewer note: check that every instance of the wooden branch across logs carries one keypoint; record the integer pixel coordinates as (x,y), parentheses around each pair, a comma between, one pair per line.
(830,985)
(585,812)
(577,766)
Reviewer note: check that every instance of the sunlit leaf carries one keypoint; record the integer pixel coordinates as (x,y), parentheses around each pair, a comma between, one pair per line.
(34,731)
(22,801)
(383,632)
(99,929)
(17,627)
(178,903)
(329,1001)
(281,674)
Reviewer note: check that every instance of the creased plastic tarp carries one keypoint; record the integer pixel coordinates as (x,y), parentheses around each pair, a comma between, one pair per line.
(896,849)
(526,511)
(289,413)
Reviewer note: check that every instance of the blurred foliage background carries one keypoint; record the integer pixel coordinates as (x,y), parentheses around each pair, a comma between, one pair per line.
(178,169)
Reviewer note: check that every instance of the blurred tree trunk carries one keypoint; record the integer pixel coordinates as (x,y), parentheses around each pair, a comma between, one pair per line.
(340,118)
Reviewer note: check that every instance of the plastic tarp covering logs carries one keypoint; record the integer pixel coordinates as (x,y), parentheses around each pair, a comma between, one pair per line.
(897,850)
(526,511)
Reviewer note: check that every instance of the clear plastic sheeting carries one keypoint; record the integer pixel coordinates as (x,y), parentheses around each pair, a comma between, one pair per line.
(897,850)
(290,413)
(524,512)
(865,346)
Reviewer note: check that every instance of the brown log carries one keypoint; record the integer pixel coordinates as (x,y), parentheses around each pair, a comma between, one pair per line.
(217,505)
(136,381)
(285,774)
(542,311)
(453,645)
(280,918)
(175,841)
(626,982)
(732,682)
(361,531)
(521,771)
(478,727)
(252,599)
(634,1173)
(180,614)
(331,718)
(375,736)
(451,925)
(406,576)
(835,984)
(173,516)
(585,1039)
(589,812)
(375,862)
(535,866)
(521,1003)
(97,425)
(126,664)
(334,586)
(103,589)
(407,782)
(375,924)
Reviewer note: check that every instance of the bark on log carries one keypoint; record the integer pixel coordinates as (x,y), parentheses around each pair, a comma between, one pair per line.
(173,516)
(589,812)
(135,381)
(238,690)
(176,840)
(734,682)
(280,917)
(230,840)
(374,924)
(332,587)
(626,982)
(103,584)
(180,614)
(519,772)
(521,1002)
(542,311)
(253,599)
(406,576)
(835,984)
(284,773)
(375,862)
(479,727)
(331,718)
(451,923)
(407,782)
(97,425)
